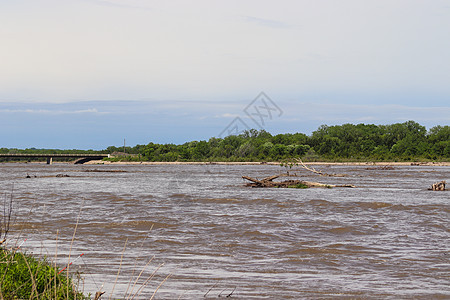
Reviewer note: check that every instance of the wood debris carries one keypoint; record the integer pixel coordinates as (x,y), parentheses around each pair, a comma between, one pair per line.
(268,182)
(299,161)
(438,186)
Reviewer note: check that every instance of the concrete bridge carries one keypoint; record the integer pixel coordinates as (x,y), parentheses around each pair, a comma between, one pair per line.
(81,158)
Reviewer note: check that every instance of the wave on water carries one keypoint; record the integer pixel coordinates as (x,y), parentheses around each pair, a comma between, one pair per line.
(167,242)
(346,230)
(179,195)
(135,224)
(216,200)
(314,250)
(372,205)
(256,234)
(261,201)
(320,202)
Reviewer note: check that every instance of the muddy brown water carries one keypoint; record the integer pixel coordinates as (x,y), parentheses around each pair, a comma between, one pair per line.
(388,238)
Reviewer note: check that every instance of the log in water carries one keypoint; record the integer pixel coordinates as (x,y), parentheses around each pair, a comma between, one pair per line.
(388,238)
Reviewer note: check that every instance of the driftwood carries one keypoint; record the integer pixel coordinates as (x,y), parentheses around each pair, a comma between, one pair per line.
(438,186)
(318,172)
(268,182)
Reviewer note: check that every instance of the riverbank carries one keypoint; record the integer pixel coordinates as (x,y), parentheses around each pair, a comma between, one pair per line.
(101,162)
(243,163)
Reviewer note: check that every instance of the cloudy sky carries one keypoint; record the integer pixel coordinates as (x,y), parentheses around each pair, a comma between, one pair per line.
(89,73)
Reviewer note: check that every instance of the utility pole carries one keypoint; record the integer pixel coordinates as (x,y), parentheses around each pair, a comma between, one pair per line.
(123,145)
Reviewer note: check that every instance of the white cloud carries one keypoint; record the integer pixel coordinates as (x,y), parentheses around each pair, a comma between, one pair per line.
(66,50)
(227,115)
(376,61)
(266,22)
(329,113)
(136,4)
(52,112)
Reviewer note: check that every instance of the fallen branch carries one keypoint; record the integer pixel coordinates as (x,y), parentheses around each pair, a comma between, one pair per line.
(270,178)
(317,172)
(268,182)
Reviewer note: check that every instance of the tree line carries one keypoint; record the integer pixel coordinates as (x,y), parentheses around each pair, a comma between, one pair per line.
(396,142)
(401,141)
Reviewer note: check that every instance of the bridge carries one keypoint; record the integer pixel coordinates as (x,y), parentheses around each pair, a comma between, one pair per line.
(81,158)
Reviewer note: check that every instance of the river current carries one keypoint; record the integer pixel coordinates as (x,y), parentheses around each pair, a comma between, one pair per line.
(207,235)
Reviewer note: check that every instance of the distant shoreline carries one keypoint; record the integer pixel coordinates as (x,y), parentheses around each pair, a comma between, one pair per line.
(239,163)
(101,162)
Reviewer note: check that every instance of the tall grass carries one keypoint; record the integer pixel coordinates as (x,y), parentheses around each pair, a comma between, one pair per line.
(23,276)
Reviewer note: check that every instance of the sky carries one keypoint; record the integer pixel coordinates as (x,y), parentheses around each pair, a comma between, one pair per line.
(88,74)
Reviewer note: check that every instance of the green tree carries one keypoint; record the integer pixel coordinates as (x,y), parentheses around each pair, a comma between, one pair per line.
(201,150)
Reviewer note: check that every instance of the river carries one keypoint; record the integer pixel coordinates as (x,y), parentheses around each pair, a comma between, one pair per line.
(211,236)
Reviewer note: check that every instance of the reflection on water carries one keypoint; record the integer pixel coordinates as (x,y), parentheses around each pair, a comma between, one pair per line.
(388,238)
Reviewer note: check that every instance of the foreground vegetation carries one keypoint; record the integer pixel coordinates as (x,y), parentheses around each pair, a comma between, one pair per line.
(396,142)
(24,277)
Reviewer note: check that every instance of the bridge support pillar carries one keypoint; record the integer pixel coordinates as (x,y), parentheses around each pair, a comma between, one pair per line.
(49,160)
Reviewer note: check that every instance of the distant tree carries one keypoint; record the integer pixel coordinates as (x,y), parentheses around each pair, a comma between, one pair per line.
(399,141)
(201,150)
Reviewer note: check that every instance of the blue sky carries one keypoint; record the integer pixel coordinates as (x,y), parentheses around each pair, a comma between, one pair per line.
(89,73)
